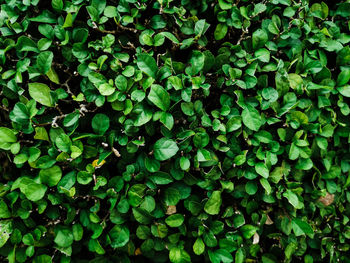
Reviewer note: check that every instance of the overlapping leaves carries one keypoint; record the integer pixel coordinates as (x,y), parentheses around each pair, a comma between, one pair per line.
(181,131)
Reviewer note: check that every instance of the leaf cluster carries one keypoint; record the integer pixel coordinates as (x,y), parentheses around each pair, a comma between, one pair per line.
(174,131)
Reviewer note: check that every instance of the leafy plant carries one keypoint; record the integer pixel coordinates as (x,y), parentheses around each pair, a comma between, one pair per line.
(174,131)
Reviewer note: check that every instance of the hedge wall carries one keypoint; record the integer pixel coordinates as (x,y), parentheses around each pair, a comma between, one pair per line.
(174,131)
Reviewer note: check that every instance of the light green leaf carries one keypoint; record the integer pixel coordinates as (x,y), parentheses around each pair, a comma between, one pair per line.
(248,231)
(64,237)
(293,199)
(301,227)
(57,4)
(44,61)
(345,91)
(259,38)
(106,89)
(41,134)
(100,123)
(198,246)
(175,220)
(7,135)
(212,206)
(263,55)
(51,176)
(119,236)
(6,230)
(251,118)
(197,63)
(259,8)
(343,77)
(147,64)
(179,255)
(159,97)
(220,31)
(261,169)
(167,119)
(34,192)
(4,211)
(164,149)
(41,93)
(52,75)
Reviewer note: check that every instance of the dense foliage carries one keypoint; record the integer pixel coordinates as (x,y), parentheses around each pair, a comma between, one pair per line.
(174,131)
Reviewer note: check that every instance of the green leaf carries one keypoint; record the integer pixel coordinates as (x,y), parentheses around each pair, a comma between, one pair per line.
(261,169)
(248,231)
(121,82)
(41,134)
(184,163)
(345,91)
(78,231)
(319,10)
(172,196)
(63,142)
(141,215)
(201,27)
(220,31)
(64,237)
(167,119)
(198,246)
(26,44)
(106,89)
(147,64)
(197,63)
(259,8)
(42,259)
(239,257)
(34,192)
(4,211)
(251,187)
(152,165)
(110,11)
(100,123)
(136,193)
(6,230)
(51,176)
(265,183)
(304,164)
(161,178)
(293,199)
(148,204)
(68,22)
(159,97)
(164,149)
(175,220)
(53,76)
(251,118)
(119,236)
(343,77)
(301,227)
(179,255)
(263,55)
(223,255)
(76,151)
(259,38)
(57,4)
(343,10)
(212,206)
(44,61)
(333,173)
(238,220)
(7,135)
(41,93)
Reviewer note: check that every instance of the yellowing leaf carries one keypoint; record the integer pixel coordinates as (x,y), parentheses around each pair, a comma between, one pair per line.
(96,164)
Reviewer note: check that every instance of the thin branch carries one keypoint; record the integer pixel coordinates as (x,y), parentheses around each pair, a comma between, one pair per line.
(243,36)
